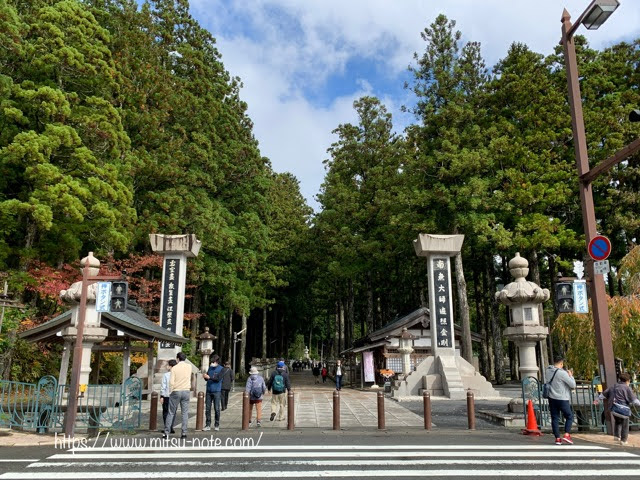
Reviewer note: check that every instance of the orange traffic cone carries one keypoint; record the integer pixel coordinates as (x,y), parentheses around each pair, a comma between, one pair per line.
(532,425)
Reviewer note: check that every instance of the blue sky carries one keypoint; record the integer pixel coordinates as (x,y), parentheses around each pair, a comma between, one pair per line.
(304,62)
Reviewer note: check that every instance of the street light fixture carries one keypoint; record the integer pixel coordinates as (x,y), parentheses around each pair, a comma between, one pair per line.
(598,12)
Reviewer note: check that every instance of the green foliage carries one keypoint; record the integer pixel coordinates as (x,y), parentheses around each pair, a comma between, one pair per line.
(296,348)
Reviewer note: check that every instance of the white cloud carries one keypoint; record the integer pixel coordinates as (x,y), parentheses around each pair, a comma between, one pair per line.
(282,48)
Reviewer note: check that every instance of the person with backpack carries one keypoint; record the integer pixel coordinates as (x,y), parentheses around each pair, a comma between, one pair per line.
(255,388)
(214,389)
(278,384)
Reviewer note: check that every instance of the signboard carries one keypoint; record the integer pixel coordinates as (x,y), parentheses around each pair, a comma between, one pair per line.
(367,364)
(580,300)
(601,267)
(168,311)
(103,296)
(443,323)
(599,247)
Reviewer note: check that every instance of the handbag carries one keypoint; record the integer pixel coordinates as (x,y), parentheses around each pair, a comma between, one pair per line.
(547,386)
(623,410)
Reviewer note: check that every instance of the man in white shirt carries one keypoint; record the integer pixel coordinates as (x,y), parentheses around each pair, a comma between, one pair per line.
(164,393)
(179,393)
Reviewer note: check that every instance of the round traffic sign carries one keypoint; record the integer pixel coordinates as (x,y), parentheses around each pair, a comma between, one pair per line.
(599,247)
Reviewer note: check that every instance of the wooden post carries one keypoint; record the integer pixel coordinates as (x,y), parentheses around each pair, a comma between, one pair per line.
(153,412)
(426,396)
(381,423)
(336,410)
(471,413)
(199,411)
(246,412)
(290,411)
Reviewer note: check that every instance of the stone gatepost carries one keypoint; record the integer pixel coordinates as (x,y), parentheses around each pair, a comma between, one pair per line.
(522,297)
(176,249)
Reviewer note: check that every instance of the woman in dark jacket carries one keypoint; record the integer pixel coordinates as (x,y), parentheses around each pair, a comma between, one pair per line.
(227,380)
(619,400)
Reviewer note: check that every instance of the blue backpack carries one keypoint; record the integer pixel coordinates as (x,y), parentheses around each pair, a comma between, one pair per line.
(256,390)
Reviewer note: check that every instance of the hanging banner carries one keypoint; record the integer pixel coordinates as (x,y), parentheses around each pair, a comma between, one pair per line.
(367,362)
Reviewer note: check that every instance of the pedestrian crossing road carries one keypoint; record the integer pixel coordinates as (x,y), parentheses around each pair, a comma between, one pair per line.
(334,461)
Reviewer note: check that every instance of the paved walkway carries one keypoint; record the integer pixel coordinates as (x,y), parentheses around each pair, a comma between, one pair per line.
(314,407)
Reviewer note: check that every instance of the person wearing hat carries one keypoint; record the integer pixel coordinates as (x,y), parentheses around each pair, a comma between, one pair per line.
(560,382)
(255,388)
(278,384)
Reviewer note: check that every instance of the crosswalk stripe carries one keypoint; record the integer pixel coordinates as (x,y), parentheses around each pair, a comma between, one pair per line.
(23,460)
(559,453)
(622,472)
(199,447)
(335,463)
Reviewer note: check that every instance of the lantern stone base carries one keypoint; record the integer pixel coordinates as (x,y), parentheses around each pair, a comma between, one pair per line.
(448,376)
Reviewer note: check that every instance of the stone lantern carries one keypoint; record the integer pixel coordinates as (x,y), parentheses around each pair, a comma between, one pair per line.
(406,349)
(523,298)
(206,347)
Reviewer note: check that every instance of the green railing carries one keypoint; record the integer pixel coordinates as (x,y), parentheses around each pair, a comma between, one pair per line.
(29,405)
(117,407)
(42,406)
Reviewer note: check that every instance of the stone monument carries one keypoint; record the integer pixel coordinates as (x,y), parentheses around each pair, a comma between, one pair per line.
(523,297)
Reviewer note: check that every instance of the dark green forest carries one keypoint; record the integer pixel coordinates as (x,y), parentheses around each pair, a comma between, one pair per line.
(119,120)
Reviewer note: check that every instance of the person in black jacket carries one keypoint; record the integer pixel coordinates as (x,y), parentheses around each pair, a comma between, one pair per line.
(278,384)
(227,380)
(620,397)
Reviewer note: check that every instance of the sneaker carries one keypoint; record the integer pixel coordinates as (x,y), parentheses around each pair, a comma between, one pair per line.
(616,439)
(206,429)
(567,439)
(258,424)
(183,436)
(273,415)
(624,442)
(558,441)
(216,428)
(173,431)
(251,424)
(164,436)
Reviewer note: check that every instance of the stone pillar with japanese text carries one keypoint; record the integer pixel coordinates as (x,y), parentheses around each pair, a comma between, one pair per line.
(439,249)
(176,249)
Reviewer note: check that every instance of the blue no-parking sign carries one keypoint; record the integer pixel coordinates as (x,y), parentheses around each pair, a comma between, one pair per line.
(599,247)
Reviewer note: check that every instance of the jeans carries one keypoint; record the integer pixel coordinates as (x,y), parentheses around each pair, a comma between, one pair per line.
(215,396)
(179,397)
(338,382)
(224,399)
(556,408)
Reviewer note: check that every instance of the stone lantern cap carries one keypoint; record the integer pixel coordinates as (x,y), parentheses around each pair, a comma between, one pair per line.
(406,335)
(521,291)
(92,262)
(206,335)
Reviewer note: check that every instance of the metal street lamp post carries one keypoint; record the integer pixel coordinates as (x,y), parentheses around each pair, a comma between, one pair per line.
(594,16)
(235,341)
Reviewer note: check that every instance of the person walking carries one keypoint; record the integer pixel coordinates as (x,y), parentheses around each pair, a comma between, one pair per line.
(316,373)
(338,374)
(278,384)
(179,393)
(214,389)
(164,393)
(255,388)
(560,382)
(620,397)
(324,373)
(285,368)
(227,380)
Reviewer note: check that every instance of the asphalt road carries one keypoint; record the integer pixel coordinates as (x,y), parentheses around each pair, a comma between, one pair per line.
(313,453)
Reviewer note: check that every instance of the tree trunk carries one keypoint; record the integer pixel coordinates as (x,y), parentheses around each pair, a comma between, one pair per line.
(230,338)
(496,334)
(485,368)
(535,275)
(243,343)
(463,311)
(342,342)
(336,334)
(369,305)
(283,350)
(264,332)
(350,315)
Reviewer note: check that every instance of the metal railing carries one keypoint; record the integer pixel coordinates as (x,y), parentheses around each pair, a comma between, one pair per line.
(117,406)
(29,405)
